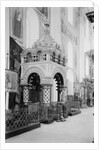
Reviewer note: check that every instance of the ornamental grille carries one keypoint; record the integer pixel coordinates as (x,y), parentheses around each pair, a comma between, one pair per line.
(35,113)
(46,95)
(22,118)
(26,95)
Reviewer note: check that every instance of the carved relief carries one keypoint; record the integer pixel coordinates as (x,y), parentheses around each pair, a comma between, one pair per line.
(24,68)
(42,66)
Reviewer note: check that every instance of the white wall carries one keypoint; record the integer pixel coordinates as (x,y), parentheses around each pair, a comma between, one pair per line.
(70,55)
(87,36)
(32,27)
(81,51)
(64,44)
(7,37)
(56,24)
(70,79)
(70,15)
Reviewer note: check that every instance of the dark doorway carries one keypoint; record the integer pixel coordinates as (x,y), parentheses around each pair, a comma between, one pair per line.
(34,88)
(58,77)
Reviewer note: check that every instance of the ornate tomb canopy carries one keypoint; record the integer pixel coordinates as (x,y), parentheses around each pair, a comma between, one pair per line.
(45,43)
(43,48)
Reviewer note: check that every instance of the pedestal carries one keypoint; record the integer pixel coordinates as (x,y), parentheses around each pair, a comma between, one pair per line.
(46,89)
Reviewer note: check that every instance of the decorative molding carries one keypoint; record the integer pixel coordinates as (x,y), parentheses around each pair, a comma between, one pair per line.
(47,81)
(32,70)
(61,71)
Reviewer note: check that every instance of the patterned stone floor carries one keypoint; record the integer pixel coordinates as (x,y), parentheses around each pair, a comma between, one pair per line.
(76,129)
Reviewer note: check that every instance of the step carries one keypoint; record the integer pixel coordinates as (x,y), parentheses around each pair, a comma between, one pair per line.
(74,112)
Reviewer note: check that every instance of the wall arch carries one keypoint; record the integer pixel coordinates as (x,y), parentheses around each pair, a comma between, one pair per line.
(33,70)
(70,78)
(62,72)
(32,27)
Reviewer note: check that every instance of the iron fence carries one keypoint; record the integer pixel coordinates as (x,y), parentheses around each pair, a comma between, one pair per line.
(23,117)
(35,113)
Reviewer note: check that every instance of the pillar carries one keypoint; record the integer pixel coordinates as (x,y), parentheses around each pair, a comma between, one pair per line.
(25,94)
(7,101)
(46,88)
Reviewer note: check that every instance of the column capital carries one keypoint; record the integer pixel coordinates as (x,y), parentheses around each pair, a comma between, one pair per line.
(24,84)
(47,81)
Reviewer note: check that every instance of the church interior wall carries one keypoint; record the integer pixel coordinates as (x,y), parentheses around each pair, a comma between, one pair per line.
(70,15)
(56,32)
(86,44)
(32,29)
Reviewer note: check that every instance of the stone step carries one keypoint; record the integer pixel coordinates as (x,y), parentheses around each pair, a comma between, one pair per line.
(74,112)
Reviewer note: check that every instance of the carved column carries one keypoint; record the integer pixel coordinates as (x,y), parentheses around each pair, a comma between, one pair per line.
(46,89)
(25,94)
(46,84)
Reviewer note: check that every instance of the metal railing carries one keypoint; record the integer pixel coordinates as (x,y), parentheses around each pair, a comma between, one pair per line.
(36,113)
(35,58)
(55,59)
(43,57)
(21,118)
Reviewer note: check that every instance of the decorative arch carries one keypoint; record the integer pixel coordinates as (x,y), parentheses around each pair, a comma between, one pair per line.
(62,72)
(33,70)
